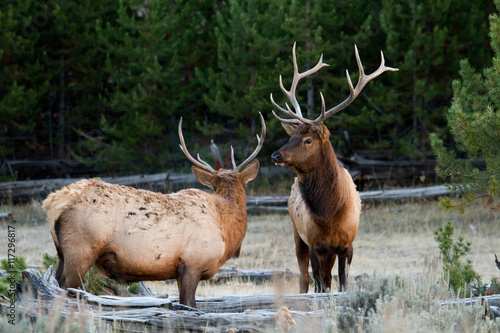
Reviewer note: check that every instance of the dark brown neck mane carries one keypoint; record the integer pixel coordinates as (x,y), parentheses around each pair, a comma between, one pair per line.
(321,188)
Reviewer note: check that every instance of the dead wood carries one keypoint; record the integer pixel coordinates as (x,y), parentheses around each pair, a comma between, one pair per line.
(279,203)
(247,313)
(491,304)
(493,300)
(19,191)
(255,275)
(5,216)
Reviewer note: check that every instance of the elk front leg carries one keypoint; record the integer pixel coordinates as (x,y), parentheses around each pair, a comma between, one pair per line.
(302,253)
(322,264)
(345,257)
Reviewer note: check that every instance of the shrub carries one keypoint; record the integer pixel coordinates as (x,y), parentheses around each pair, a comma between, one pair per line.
(14,276)
(459,272)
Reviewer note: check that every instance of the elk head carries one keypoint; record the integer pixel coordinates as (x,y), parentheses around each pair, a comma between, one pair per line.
(220,181)
(310,137)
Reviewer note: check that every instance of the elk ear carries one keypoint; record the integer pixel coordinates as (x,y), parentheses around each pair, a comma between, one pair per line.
(250,171)
(206,178)
(324,133)
(290,129)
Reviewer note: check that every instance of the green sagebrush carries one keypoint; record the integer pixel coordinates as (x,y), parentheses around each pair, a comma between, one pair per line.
(457,269)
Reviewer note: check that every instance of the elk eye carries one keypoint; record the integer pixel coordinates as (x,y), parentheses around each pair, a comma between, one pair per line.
(307,141)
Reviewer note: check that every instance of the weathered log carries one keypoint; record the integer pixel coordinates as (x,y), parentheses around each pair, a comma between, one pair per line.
(493,312)
(136,313)
(161,182)
(493,300)
(118,301)
(279,203)
(35,286)
(491,304)
(248,321)
(241,303)
(255,275)
(166,182)
(5,216)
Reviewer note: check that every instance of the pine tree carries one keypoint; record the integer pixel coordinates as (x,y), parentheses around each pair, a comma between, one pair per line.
(474,121)
(424,40)
(23,78)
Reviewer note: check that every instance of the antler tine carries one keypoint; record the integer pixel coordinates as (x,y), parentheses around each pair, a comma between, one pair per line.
(202,164)
(291,94)
(233,162)
(362,81)
(256,151)
(202,161)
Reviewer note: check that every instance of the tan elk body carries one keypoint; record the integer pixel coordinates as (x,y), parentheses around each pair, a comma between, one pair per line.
(137,235)
(324,204)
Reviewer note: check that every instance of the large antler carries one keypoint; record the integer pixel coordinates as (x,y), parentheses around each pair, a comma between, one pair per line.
(204,165)
(201,163)
(260,142)
(354,92)
(291,94)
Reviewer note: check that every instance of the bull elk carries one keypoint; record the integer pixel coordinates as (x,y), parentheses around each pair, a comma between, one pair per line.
(135,235)
(324,205)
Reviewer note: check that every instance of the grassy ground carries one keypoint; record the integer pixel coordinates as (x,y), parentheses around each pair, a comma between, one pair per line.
(394,241)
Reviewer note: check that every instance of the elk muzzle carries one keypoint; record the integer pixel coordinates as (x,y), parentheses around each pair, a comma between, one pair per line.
(277,159)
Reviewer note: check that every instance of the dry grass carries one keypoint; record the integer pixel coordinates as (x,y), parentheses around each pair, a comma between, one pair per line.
(394,240)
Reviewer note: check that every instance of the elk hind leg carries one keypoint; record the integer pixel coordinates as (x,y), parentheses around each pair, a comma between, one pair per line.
(187,282)
(73,269)
(345,259)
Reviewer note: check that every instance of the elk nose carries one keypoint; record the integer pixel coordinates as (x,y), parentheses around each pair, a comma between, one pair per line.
(276,157)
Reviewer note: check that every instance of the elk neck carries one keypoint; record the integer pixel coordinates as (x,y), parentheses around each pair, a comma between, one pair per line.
(231,189)
(232,209)
(321,187)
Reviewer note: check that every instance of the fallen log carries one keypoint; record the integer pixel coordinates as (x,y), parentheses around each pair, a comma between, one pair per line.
(255,275)
(19,191)
(246,313)
(493,300)
(5,216)
(22,191)
(118,301)
(279,203)
(491,304)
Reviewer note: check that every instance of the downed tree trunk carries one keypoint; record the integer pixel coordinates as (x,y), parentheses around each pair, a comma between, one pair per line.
(493,300)
(255,275)
(18,191)
(262,275)
(491,304)
(246,313)
(162,182)
(275,203)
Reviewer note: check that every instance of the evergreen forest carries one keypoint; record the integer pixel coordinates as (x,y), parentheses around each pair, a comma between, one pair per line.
(106,82)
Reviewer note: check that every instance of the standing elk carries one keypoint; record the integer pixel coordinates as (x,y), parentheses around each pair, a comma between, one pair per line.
(135,235)
(324,205)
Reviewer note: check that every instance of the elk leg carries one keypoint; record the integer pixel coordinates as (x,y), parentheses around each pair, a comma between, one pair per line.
(73,272)
(317,271)
(327,264)
(187,282)
(322,264)
(302,253)
(344,257)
